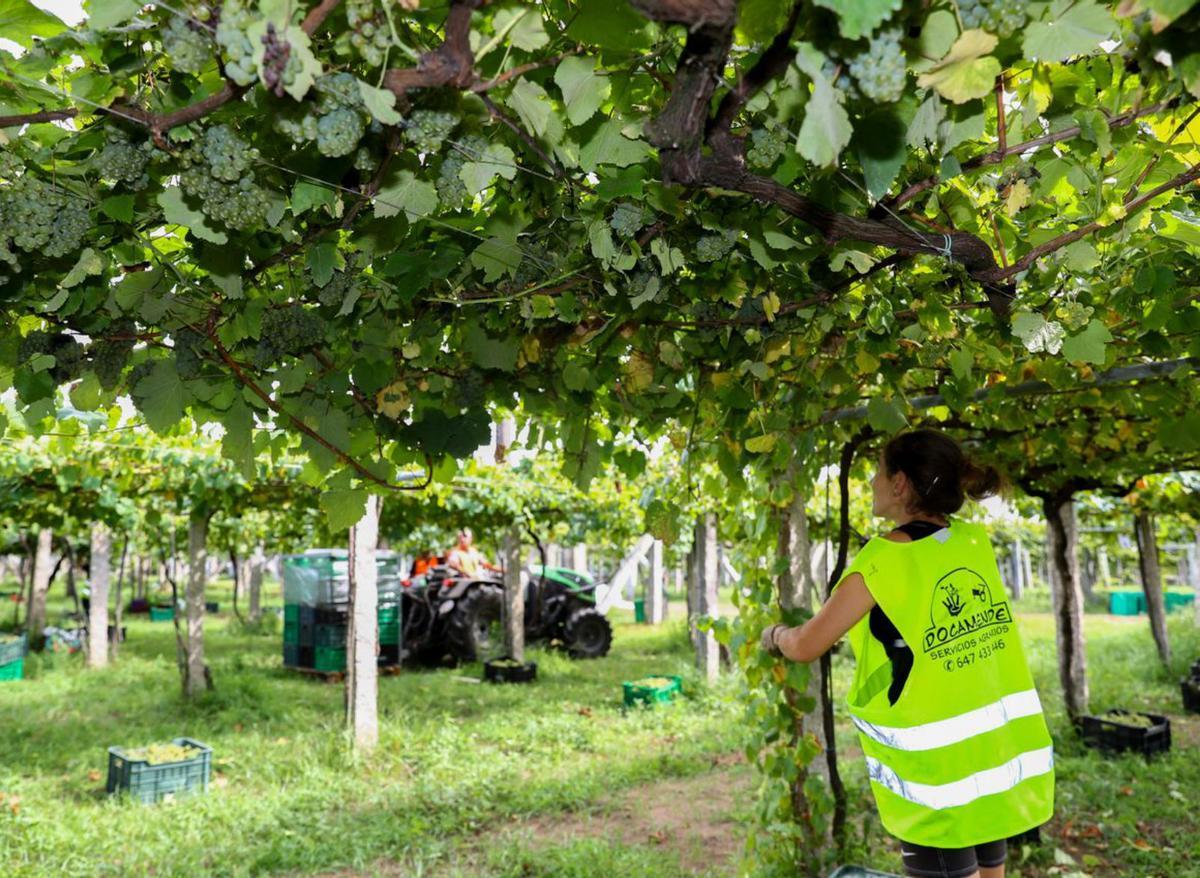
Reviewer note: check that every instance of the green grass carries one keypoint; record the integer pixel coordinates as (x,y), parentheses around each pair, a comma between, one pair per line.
(460,760)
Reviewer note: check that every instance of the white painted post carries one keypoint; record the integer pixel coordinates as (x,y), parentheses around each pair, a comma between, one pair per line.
(100,573)
(702,595)
(196,680)
(362,633)
(656,599)
(1027,560)
(514,597)
(35,615)
(579,557)
(254,579)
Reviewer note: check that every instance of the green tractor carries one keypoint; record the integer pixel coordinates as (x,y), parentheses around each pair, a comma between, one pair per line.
(450,615)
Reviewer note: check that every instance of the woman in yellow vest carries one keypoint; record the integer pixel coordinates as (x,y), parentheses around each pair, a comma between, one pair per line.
(957,749)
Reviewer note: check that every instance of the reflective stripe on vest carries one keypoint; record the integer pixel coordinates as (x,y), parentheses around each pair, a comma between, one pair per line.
(942,733)
(960,792)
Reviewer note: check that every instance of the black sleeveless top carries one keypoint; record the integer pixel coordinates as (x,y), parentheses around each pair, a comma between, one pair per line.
(883,630)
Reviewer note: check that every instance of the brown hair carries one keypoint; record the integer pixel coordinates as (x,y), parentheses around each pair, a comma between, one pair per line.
(941,474)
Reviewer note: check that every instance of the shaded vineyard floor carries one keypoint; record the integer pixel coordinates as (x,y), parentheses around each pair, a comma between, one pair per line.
(549,781)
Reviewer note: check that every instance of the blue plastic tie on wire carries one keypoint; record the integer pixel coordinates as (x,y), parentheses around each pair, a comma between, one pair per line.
(947,251)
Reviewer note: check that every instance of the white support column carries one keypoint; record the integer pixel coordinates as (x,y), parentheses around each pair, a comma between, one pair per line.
(702,595)
(656,599)
(362,634)
(100,571)
(514,597)
(196,680)
(579,557)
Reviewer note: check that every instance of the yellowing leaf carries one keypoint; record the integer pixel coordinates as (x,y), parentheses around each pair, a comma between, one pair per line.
(762,444)
(968,71)
(1018,196)
(393,400)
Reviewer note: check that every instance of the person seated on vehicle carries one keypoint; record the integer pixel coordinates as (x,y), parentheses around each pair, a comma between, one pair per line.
(464,558)
(422,562)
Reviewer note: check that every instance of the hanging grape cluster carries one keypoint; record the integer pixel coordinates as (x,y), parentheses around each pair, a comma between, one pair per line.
(278,73)
(235,18)
(188,347)
(469,389)
(67,352)
(427,130)
(336,122)
(710,248)
(767,145)
(627,219)
(186,45)
(371,35)
(109,357)
(216,172)
(1001,17)
(334,293)
(879,69)
(287,330)
(122,161)
(36,216)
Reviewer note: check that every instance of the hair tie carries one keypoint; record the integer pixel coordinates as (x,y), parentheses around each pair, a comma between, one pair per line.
(932,484)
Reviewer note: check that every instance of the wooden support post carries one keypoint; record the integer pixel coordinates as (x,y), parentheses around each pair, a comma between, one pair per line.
(1152,587)
(196,675)
(98,580)
(514,597)
(35,615)
(362,633)
(656,598)
(702,595)
(1062,538)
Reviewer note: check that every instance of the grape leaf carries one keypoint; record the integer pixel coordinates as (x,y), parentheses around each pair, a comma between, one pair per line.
(967,72)
(609,146)
(496,256)
(160,396)
(885,415)
(1068,28)
(380,103)
(1036,333)
(826,128)
(858,18)
(1089,345)
(344,508)
(611,24)
(583,90)
(176,211)
(21,21)
(491,353)
(404,192)
(530,101)
(495,159)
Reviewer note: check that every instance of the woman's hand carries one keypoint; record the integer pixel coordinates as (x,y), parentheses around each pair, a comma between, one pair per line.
(769,641)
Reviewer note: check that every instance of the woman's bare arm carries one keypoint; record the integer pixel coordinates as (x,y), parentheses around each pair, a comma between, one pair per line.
(850,602)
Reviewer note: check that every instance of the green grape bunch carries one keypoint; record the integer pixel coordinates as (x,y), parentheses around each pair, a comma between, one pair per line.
(161,754)
(370,33)
(284,331)
(880,69)
(122,161)
(108,359)
(235,18)
(216,171)
(186,44)
(711,248)
(337,121)
(766,146)
(452,191)
(627,219)
(427,130)
(37,216)
(67,352)
(188,347)
(1001,17)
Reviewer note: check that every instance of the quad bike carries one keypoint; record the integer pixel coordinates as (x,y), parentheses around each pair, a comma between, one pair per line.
(447,614)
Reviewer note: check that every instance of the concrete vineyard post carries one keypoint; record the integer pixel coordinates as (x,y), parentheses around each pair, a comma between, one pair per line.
(362,632)
(1062,540)
(1151,571)
(39,584)
(98,581)
(195,671)
(655,593)
(514,597)
(702,595)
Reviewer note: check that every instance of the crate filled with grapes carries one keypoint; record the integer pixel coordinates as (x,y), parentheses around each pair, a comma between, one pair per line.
(649,691)
(159,772)
(1119,731)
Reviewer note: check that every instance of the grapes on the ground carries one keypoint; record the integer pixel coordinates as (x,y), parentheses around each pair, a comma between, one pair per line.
(880,69)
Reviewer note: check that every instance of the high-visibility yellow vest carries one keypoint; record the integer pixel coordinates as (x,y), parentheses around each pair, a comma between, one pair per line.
(964,756)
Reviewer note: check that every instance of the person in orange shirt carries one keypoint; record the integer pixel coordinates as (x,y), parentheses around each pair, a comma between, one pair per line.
(422,562)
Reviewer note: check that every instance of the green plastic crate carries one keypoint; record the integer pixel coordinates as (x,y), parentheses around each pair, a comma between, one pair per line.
(14,670)
(1175,600)
(329,658)
(291,613)
(389,634)
(291,631)
(639,609)
(637,693)
(1126,603)
(12,648)
(153,783)
(388,614)
(162,614)
(330,635)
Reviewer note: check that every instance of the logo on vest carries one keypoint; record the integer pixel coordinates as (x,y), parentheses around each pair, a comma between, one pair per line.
(962,604)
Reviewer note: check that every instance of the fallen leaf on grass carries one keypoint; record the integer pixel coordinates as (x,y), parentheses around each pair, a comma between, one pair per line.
(1126,791)
(658,837)
(1142,845)
(93,775)
(584,711)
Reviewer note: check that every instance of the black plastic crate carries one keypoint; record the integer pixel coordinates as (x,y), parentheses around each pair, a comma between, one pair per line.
(1189,688)
(331,615)
(499,671)
(297,656)
(212,606)
(329,635)
(1112,736)
(153,783)
(389,655)
(307,634)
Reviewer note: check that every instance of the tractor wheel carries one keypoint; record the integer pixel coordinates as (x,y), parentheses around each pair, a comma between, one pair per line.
(472,632)
(587,634)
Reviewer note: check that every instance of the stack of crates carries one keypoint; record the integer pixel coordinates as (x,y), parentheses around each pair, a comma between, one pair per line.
(12,657)
(316,594)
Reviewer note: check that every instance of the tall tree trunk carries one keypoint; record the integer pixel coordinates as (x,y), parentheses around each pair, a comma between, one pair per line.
(1062,539)
(254,580)
(655,585)
(798,590)
(514,596)
(362,635)
(196,677)
(702,595)
(100,568)
(35,617)
(1147,543)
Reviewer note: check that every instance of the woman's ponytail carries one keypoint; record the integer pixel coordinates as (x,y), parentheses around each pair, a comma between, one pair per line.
(979,481)
(942,476)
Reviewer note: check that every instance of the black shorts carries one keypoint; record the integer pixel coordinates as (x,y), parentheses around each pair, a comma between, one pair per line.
(926,862)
